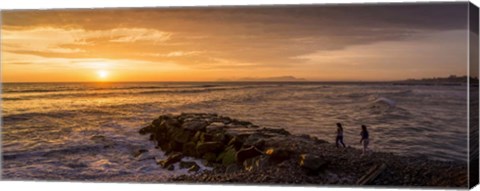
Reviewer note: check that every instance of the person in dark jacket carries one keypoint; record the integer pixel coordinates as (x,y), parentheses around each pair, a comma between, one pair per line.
(364,140)
(339,138)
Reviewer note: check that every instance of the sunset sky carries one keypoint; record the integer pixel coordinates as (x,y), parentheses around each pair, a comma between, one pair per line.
(325,43)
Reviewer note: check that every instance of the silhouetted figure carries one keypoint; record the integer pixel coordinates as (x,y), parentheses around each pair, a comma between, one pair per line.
(364,139)
(339,135)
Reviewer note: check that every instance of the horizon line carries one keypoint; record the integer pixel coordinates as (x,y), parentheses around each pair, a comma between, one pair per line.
(206,81)
(220,81)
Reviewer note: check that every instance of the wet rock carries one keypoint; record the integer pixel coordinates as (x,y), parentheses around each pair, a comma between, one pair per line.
(139,152)
(246,153)
(274,132)
(195,125)
(173,146)
(312,164)
(235,142)
(189,149)
(228,156)
(220,137)
(194,168)
(279,154)
(172,159)
(145,130)
(232,168)
(255,140)
(255,163)
(242,123)
(155,123)
(197,137)
(215,127)
(181,136)
(187,164)
(206,147)
(210,157)
(224,120)
(241,133)
(204,137)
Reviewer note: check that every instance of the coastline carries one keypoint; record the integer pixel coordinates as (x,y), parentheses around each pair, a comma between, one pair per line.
(275,156)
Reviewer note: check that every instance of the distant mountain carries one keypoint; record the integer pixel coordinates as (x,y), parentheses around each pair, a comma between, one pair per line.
(268,79)
(451,80)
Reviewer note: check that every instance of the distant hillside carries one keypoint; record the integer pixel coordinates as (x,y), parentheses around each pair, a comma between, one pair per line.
(268,79)
(451,80)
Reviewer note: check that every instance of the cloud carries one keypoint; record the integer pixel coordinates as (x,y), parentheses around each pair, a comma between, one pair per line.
(131,35)
(261,38)
(55,40)
(430,56)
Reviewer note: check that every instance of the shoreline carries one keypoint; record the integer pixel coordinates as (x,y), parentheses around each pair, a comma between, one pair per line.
(243,153)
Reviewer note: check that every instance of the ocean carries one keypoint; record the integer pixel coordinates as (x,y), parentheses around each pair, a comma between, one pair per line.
(88,131)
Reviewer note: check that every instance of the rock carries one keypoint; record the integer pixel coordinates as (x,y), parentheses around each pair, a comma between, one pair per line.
(246,153)
(157,122)
(139,152)
(207,147)
(206,138)
(187,164)
(220,137)
(304,136)
(172,122)
(194,168)
(279,154)
(170,168)
(172,159)
(232,168)
(235,142)
(181,136)
(242,123)
(215,127)
(228,156)
(255,140)
(197,137)
(255,163)
(275,132)
(241,133)
(210,157)
(189,149)
(195,125)
(224,120)
(145,130)
(312,164)
(173,146)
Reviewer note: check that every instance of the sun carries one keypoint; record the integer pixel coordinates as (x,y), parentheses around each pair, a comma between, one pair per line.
(102,74)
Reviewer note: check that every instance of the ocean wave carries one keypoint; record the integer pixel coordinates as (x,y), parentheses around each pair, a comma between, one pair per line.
(116,93)
(13,99)
(86,88)
(50,152)
(380,104)
(55,114)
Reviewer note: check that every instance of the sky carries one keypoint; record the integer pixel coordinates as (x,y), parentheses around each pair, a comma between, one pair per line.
(375,42)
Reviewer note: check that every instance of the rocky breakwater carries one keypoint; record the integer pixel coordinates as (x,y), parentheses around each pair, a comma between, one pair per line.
(239,151)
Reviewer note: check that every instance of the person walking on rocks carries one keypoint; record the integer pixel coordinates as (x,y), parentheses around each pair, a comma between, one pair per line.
(364,140)
(339,135)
